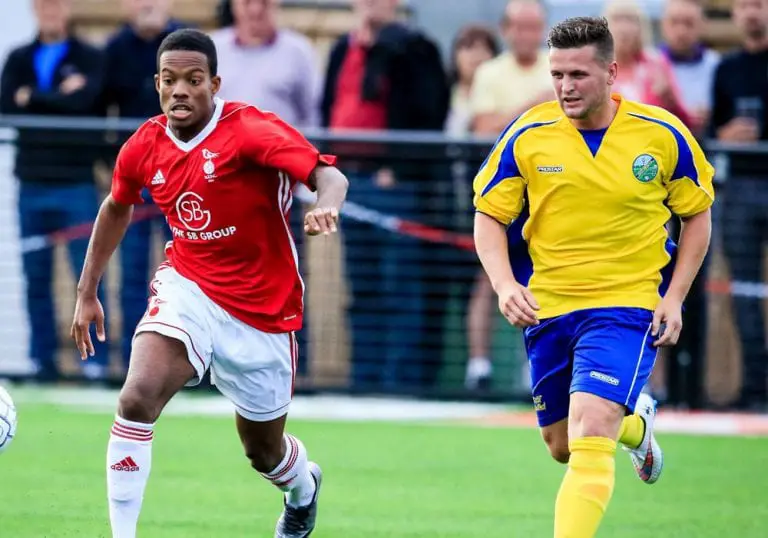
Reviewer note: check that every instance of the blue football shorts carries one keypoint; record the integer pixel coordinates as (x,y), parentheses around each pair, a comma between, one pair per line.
(607,352)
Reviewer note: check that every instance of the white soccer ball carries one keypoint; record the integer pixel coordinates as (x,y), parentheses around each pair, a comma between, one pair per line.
(7,420)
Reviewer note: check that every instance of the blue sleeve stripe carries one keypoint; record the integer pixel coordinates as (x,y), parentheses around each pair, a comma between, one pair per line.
(498,141)
(666,272)
(507,164)
(686,167)
(519,255)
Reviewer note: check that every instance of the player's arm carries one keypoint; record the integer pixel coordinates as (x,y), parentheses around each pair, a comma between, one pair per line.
(694,244)
(111,223)
(690,197)
(499,188)
(108,231)
(271,142)
(331,186)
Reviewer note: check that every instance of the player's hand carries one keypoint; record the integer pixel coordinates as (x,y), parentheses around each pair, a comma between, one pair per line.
(321,220)
(518,305)
(87,310)
(667,322)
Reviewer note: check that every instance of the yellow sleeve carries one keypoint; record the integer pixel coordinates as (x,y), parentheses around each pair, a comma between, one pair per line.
(481,97)
(499,185)
(689,186)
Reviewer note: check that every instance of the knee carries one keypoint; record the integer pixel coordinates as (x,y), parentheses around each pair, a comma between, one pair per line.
(137,405)
(265,455)
(592,416)
(558,446)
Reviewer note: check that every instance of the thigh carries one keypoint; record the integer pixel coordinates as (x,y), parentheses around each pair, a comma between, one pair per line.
(255,370)
(177,309)
(158,369)
(549,355)
(613,354)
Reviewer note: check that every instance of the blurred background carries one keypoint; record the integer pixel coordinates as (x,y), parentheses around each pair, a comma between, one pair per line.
(410,95)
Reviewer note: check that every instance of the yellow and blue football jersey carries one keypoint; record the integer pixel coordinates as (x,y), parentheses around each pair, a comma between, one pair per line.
(593,204)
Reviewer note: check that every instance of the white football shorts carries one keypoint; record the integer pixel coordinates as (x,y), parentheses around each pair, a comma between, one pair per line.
(255,370)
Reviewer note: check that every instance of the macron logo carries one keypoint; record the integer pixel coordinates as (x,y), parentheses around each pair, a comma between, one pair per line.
(159,178)
(550,169)
(604,378)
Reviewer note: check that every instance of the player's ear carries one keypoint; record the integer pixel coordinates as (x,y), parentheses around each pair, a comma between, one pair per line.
(157,83)
(613,71)
(215,84)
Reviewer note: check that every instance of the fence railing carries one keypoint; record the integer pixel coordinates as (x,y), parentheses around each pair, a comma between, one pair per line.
(396,304)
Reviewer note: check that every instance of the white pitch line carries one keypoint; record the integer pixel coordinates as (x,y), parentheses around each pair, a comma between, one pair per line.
(369,409)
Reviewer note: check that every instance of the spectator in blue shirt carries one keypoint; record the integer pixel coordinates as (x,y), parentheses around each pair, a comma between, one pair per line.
(56,75)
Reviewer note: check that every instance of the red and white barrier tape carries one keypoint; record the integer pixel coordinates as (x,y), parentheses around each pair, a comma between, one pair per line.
(376,218)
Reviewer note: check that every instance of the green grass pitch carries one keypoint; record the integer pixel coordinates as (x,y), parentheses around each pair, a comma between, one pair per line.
(382,480)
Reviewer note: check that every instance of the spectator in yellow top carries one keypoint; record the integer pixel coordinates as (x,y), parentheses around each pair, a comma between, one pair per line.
(518,79)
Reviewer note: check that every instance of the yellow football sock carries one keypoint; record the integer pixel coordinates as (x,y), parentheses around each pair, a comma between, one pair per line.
(632,431)
(586,488)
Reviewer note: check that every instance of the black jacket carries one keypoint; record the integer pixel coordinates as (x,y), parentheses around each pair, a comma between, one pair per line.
(411,64)
(129,81)
(55,156)
(741,82)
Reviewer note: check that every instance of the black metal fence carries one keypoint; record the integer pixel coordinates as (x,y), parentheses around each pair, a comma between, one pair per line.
(397,303)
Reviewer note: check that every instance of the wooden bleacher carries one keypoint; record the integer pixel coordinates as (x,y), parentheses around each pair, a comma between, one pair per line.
(720,33)
(321,21)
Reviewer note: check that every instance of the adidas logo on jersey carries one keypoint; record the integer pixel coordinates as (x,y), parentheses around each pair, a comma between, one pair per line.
(159,178)
(125,464)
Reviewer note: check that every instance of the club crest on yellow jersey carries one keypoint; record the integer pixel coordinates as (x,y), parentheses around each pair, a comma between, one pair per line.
(645,168)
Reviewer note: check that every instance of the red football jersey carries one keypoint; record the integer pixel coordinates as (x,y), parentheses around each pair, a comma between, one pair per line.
(226,195)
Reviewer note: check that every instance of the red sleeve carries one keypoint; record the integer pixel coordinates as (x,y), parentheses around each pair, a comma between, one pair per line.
(127,180)
(271,142)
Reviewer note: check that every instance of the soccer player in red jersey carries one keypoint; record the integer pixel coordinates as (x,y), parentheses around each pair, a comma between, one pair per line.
(229,297)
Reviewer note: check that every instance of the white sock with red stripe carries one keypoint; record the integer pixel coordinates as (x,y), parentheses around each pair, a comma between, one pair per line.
(129,459)
(292,475)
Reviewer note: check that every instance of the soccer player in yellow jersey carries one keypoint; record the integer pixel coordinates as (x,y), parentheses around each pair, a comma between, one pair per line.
(572,204)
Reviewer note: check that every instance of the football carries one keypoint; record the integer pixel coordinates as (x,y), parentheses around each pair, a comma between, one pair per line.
(7,420)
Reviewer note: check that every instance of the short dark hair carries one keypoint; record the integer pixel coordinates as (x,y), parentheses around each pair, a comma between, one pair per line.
(578,32)
(191,40)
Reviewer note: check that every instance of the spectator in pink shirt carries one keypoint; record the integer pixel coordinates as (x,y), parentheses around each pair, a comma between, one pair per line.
(645,75)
